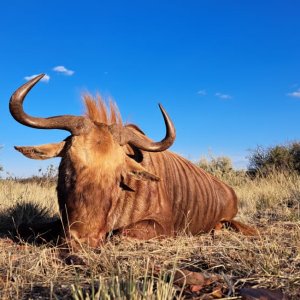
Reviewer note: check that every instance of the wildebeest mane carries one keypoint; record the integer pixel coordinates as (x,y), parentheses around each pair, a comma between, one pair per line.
(101,111)
(107,112)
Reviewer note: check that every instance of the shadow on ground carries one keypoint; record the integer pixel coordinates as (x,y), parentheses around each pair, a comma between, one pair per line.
(31,223)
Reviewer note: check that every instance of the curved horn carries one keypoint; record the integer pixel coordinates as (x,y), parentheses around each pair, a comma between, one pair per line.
(144,144)
(73,124)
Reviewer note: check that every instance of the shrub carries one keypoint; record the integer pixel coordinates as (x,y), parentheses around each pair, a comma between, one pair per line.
(283,158)
(216,165)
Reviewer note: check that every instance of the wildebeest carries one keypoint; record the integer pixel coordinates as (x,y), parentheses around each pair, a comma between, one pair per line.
(112,177)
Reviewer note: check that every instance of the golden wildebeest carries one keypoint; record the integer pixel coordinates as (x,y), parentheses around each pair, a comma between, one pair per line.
(113,178)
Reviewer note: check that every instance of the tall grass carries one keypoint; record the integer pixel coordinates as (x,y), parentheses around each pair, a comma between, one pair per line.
(130,269)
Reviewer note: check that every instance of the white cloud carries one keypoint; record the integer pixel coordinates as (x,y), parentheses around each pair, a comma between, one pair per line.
(295,94)
(201,92)
(63,70)
(46,78)
(223,96)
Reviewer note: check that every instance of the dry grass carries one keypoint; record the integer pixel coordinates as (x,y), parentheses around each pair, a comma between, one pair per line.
(126,269)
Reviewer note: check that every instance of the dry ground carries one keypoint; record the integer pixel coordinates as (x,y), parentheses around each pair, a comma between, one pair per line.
(126,269)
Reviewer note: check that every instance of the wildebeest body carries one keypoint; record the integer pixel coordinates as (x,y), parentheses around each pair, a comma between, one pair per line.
(113,178)
(186,199)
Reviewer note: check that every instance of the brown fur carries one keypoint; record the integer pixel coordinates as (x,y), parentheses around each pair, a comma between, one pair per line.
(98,111)
(103,186)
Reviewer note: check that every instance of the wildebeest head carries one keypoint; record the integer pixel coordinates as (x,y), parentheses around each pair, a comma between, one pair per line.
(93,143)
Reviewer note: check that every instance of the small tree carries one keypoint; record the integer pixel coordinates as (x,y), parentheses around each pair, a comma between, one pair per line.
(285,158)
(216,165)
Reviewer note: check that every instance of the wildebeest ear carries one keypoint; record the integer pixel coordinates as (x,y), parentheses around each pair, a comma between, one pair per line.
(138,172)
(43,151)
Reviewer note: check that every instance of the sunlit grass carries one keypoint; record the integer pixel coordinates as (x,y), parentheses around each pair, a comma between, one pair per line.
(129,269)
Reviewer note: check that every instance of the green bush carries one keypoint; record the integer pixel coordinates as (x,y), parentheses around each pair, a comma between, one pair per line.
(283,158)
(222,168)
(216,165)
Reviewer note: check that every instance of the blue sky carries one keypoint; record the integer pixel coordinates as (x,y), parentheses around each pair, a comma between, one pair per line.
(226,71)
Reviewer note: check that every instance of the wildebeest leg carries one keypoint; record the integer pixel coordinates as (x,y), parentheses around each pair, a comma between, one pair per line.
(240,227)
(236,226)
(145,230)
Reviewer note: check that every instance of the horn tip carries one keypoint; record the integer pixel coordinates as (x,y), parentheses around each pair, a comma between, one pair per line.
(40,76)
